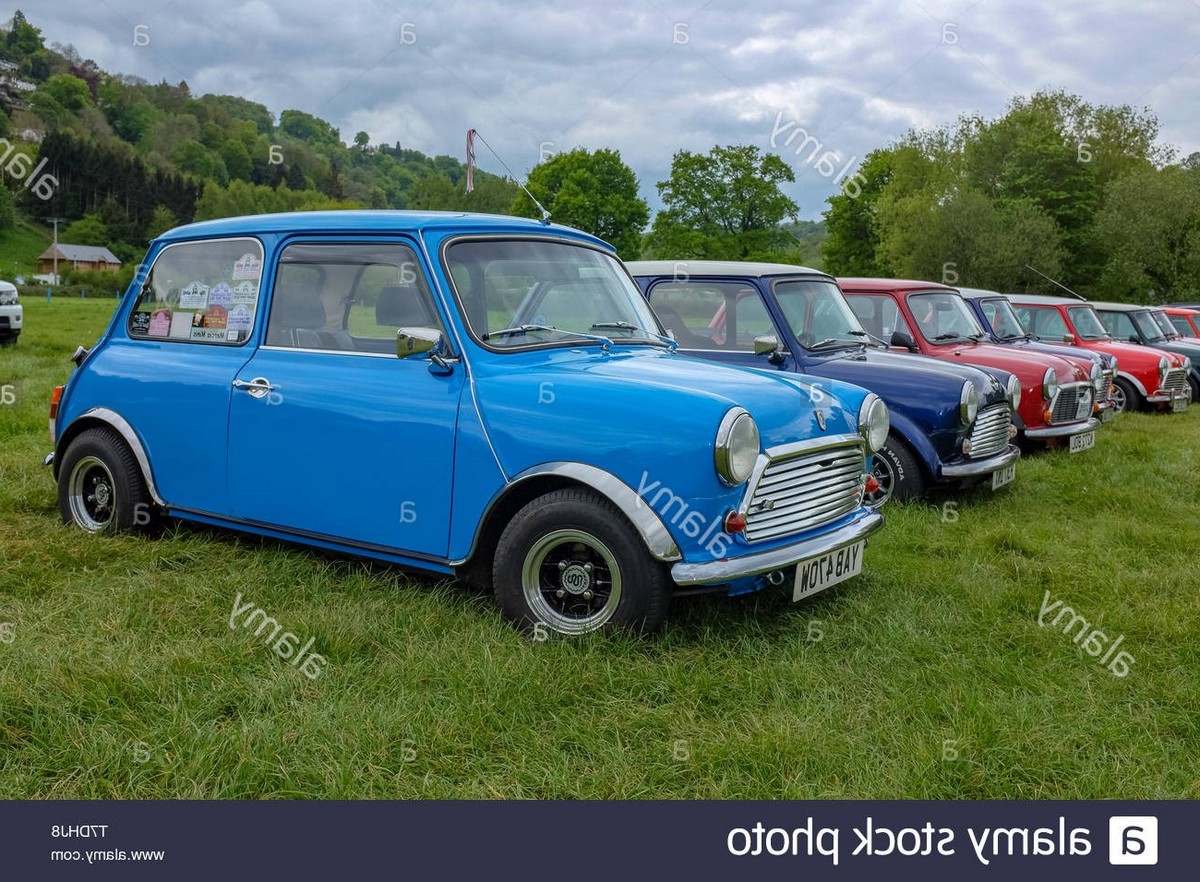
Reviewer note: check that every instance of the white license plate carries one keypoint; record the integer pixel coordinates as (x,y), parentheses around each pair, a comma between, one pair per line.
(1003,476)
(828,569)
(1179,404)
(1107,415)
(1083,441)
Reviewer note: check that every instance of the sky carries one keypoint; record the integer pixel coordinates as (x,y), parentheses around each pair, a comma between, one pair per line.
(651,77)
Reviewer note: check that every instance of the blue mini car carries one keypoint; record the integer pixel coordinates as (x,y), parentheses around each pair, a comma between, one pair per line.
(951,424)
(464,394)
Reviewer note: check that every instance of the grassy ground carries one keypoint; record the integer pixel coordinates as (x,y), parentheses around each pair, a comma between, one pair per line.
(20,246)
(928,677)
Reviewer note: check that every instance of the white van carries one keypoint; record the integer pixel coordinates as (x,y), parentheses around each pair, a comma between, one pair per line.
(10,314)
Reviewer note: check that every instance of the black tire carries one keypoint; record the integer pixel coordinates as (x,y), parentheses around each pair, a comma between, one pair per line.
(1125,397)
(570,562)
(101,488)
(899,474)
(1193,390)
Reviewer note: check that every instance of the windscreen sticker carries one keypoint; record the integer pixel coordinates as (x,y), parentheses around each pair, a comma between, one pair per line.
(216,317)
(194,296)
(219,295)
(160,323)
(245,293)
(209,334)
(246,267)
(239,319)
(181,325)
(140,324)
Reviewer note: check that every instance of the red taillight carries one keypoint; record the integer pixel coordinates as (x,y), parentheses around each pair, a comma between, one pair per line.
(734,523)
(55,398)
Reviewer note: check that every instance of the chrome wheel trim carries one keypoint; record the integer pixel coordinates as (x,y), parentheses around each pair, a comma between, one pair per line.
(91,494)
(560,570)
(1119,399)
(881,471)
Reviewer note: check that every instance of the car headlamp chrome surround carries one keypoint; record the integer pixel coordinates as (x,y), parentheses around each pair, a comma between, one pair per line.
(1013,392)
(968,403)
(736,449)
(1049,384)
(1164,368)
(874,423)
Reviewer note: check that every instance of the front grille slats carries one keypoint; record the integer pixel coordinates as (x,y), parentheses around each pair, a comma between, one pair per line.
(1072,403)
(989,435)
(805,491)
(1176,381)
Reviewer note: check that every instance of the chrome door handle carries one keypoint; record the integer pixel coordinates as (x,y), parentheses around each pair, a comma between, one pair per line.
(257,388)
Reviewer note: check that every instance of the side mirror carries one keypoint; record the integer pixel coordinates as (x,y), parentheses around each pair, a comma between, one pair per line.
(768,345)
(901,339)
(1133,338)
(422,341)
(1067,338)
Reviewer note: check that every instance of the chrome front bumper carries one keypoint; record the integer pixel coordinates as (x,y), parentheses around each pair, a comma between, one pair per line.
(717,572)
(983,466)
(1064,431)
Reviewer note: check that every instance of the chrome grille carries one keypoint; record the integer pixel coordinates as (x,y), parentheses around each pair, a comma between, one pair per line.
(1072,403)
(1104,383)
(1176,381)
(805,490)
(990,432)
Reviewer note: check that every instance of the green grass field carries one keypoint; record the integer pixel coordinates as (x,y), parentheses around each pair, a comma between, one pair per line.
(928,677)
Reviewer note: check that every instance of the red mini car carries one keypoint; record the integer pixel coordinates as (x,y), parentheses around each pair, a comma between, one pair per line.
(1145,376)
(1185,321)
(931,319)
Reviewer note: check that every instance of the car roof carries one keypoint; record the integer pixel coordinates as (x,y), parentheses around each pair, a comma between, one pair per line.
(1119,307)
(715,268)
(1180,310)
(358,221)
(1049,299)
(863,284)
(978,292)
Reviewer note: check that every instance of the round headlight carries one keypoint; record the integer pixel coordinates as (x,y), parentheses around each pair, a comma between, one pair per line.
(1014,391)
(1049,384)
(1163,367)
(736,449)
(1187,364)
(968,403)
(1095,372)
(874,422)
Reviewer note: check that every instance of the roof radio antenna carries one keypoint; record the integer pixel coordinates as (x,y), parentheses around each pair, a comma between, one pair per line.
(1053,282)
(472,134)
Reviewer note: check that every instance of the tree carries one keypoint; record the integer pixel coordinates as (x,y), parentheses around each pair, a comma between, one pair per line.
(853,243)
(594,192)
(1151,222)
(723,204)
(23,39)
(88,230)
(161,220)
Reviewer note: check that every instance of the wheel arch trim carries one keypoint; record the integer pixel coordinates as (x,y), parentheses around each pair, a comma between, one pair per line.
(121,426)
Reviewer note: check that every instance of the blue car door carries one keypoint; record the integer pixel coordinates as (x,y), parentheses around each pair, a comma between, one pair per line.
(330,433)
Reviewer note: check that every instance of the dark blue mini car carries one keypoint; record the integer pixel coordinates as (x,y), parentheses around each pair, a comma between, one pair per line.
(474,395)
(950,424)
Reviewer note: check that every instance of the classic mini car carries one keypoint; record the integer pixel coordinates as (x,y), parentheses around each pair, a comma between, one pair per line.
(1138,325)
(463,394)
(11,314)
(931,319)
(951,424)
(996,316)
(1185,321)
(1145,376)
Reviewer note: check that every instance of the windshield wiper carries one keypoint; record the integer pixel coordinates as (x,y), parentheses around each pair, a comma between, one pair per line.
(629,326)
(878,340)
(821,344)
(950,335)
(524,329)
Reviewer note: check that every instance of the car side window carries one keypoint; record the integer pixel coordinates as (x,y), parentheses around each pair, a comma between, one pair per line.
(200,292)
(348,297)
(1118,324)
(1051,324)
(879,315)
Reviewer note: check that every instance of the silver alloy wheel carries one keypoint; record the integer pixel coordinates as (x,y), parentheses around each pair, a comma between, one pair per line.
(883,472)
(92,495)
(1119,399)
(571,581)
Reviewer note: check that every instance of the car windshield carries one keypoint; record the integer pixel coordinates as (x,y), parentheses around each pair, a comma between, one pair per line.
(818,313)
(1148,326)
(1087,323)
(522,293)
(944,317)
(1180,323)
(1164,324)
(1003,319)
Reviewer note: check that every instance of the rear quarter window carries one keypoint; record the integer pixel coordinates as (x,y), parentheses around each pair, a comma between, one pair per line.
(200,292)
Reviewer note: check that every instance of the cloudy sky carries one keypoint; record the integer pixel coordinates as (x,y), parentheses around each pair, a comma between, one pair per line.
(649,77)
